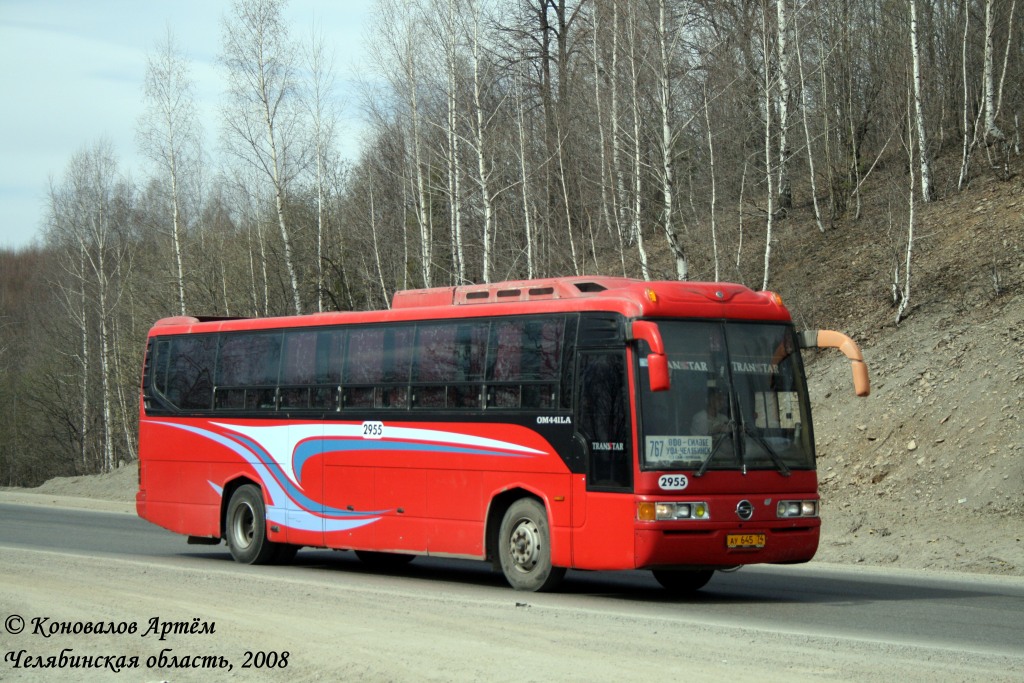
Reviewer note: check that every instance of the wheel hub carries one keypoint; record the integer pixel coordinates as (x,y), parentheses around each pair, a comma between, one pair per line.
(524,545)
(245,524)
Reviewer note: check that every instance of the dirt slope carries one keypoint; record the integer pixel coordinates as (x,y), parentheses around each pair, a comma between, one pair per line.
(928,472)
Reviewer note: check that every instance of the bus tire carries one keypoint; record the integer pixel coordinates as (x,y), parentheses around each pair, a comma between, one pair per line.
(683,581)
(524,548)
(245,527)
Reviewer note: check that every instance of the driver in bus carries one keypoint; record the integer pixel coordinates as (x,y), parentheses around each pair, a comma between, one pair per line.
(714,419)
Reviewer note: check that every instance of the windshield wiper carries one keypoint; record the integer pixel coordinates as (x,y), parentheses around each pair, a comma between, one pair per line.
(779,464)
(725,436)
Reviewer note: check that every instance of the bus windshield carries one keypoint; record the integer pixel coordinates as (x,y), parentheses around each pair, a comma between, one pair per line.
(738,400)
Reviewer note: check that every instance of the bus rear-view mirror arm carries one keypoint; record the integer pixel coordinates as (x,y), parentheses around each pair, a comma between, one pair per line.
(657,361)
(829,339)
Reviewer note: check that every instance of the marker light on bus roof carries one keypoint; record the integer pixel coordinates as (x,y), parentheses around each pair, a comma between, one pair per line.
(651,295)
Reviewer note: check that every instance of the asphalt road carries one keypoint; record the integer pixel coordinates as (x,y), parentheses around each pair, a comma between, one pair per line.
(846,623)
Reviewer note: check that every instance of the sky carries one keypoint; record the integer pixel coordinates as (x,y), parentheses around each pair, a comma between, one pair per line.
(71,74)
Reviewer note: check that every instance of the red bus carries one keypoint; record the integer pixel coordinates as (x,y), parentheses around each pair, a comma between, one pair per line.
(591,423)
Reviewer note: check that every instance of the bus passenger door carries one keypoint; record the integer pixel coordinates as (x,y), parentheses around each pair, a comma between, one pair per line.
(603,428)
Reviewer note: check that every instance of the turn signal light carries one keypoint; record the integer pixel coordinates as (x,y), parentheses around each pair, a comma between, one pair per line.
(668,511)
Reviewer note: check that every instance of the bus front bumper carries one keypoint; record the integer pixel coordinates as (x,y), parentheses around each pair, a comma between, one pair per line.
(667,547)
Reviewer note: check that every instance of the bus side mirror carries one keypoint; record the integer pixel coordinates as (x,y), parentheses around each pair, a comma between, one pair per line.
(829,339)
(657,361)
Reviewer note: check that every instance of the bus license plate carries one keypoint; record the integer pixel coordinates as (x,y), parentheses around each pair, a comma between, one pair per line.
(744,541)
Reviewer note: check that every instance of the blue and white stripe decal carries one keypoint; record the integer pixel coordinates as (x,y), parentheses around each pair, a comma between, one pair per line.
(278,454)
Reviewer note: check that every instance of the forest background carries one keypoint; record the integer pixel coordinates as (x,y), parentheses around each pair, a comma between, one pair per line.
(861,157)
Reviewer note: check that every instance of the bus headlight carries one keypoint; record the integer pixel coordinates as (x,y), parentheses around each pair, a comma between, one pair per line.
(797,508)
(667,511)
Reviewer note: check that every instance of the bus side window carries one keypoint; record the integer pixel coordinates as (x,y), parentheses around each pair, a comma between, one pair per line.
(160,360)
(504,371)
(363,367)
(330,347)
(191,363)
(524,368)
(247,371)
(298,369)
(377,367)
(602,419)
(448,372)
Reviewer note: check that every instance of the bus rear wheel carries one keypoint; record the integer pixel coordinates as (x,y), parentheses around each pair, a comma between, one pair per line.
(683,581)
(524,548)
(245,528)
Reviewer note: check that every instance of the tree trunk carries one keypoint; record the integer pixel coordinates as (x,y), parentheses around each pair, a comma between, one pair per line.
(676,247)
(767,156)
(785,190)
(922,139)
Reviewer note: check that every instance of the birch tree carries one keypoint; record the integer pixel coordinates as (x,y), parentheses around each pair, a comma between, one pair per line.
(901,290)
(83,224)
(782,31)
(992,131)
(634,77)
(398,52)
(665,38)
(323,115)
(609,201)
(767,99)
(261,118)
(169,135)
(448,20)
(483,177)
(807,133)
(922,139)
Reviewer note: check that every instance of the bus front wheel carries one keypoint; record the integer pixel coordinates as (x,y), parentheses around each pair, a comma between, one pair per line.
(524,548)
(245,528)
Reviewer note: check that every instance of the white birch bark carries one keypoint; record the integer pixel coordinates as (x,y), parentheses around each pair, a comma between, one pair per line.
(634,69)
(421,192)
(607,193)
(904,292)
(785,190)
(452,155)
(323,118)
(1006,58)
(619,191)
(167,134)
(524,183)
(682,265)
(483,172)
(767,154)
(807,133)
(260,120)
(376,246)
(85,361)
(992,131)
(568,213)
(967,146)
(711,170)
(739,220)
(922,139)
